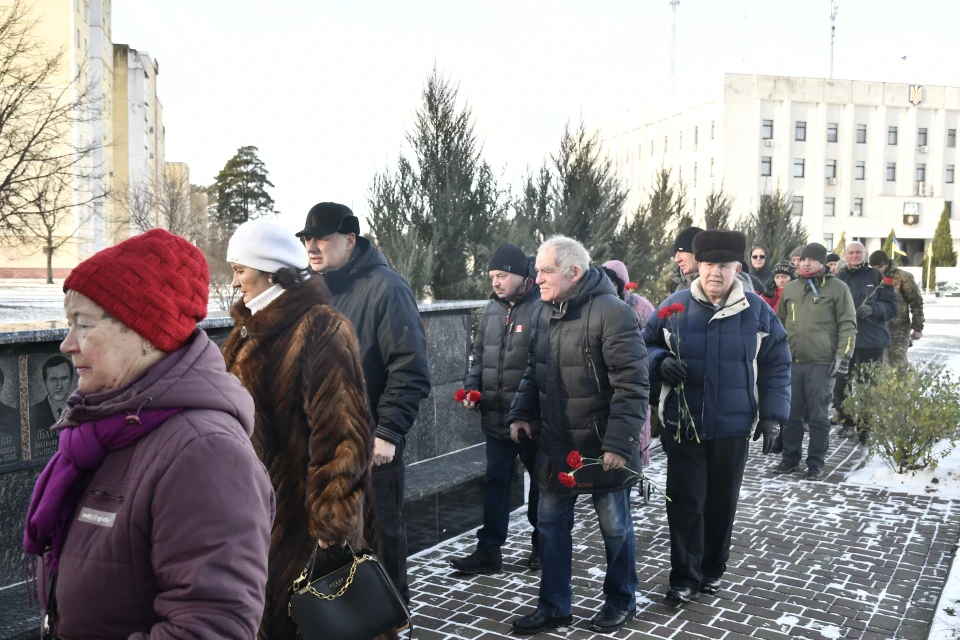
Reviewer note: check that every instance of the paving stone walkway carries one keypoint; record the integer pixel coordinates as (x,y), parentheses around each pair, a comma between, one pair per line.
(809,559)
(823,559)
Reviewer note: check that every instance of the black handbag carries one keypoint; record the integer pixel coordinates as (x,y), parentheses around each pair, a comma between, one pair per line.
(356,601)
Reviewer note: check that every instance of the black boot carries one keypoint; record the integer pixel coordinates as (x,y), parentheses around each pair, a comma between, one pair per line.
(681,595)
(480,561)
(710,586)
(536,622)
(611,620)
(534,560)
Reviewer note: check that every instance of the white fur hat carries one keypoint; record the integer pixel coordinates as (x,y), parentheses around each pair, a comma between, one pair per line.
(266,246)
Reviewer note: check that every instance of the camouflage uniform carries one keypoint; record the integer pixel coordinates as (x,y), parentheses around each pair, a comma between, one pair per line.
(909,315)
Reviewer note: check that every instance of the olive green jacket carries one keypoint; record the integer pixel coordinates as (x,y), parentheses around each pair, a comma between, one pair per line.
(820,320)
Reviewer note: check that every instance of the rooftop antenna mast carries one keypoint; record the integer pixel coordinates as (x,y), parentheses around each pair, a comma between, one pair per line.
(834,5)
(673,49)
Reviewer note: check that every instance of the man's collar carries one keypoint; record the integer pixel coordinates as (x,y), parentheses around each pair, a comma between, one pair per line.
(734,296)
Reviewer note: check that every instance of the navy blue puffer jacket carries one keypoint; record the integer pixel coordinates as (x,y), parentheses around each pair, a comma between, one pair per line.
(737,357)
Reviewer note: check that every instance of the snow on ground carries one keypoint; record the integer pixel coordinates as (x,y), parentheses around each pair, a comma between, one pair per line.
(944,482)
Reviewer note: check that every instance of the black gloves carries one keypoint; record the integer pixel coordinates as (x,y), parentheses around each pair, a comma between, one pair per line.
(672,371)
(769,430)
(865,311)
(840,367)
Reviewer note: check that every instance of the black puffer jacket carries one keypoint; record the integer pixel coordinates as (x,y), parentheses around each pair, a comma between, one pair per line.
(500,358)
(586,379)
(393,346)
(764,274)
(867,285)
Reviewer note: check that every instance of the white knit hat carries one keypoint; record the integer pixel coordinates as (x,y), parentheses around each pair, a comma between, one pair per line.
(266,246)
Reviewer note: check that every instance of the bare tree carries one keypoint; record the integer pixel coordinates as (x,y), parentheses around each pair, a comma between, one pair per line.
(49,175)
(51,218)
(166,205)
(136,201)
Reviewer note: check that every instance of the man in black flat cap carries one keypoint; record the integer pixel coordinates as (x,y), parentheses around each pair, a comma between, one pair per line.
(393,353)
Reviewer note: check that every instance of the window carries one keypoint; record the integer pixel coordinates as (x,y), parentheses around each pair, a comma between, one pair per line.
(711,167)
(801,131)
(921,137)
(949,206)
(860,171)
(858,207)
(797,208)
(921,172)
(950,173)
(892,136)
(696,136)
(831,169)
(861,134)
(767,130)
(832,132)
(798,167)
(951,138)
(766,166)
(828,240)
(829,207)
(713,129)
(891,172)
(694,174)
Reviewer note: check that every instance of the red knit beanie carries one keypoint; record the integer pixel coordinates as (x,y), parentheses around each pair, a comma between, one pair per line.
(155,283)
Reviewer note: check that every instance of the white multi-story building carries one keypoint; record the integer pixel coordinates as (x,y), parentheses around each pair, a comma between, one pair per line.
(857,157)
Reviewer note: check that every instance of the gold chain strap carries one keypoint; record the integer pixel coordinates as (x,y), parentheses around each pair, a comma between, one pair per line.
(346,585)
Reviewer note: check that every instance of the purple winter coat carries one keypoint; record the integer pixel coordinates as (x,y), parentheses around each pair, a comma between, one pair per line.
(644,309)
(183,515)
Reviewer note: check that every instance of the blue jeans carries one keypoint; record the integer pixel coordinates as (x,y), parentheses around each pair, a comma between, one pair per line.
(556,551)
(501,460)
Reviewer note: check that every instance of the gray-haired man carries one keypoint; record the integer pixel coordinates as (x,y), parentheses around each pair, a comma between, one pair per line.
(586,380)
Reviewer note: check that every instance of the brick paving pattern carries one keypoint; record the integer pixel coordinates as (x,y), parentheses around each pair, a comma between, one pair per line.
(818,559)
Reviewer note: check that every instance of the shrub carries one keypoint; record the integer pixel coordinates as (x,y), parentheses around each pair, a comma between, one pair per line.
(906,412)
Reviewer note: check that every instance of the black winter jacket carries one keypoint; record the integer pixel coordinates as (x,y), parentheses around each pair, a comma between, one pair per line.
(393,345)
(500,358)
(867,285)
(586,379)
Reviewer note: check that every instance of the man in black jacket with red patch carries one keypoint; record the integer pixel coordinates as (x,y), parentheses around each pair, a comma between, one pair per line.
(393,353)
(499,362)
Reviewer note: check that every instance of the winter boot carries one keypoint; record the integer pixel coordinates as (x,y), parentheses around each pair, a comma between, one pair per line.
(480,561)
(786,467)
(847,432)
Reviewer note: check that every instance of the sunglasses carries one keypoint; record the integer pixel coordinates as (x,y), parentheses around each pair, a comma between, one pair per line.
(760,257)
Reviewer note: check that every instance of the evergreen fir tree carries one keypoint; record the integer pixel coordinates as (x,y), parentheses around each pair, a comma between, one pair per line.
(241,190)
(943,253)
(774,226)
(716,214)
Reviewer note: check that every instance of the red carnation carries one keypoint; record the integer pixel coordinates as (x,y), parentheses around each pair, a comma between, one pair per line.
(665,313)
(574,460)
(678,307)
(460,395)
(474,396)
(630,286)
(888,281)
(567,480)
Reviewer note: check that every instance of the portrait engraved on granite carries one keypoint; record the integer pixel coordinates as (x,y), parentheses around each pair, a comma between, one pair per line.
(52,380)
(10,438)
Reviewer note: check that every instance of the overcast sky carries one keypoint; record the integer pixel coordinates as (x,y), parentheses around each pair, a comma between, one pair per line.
(327,89)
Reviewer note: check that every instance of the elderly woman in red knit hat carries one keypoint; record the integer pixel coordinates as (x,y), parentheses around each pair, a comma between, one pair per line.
(136,516)
(299,358)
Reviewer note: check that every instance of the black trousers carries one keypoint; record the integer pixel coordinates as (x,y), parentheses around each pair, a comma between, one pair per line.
(840,388)
(388,488)
(703,482)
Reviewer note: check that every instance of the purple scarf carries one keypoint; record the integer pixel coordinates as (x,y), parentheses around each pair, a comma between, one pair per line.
(82,448)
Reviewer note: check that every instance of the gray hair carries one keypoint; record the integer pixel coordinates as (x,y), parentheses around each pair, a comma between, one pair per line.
(854,243)
(568,253)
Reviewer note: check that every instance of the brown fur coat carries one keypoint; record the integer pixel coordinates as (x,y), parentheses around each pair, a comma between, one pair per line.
(299,360)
